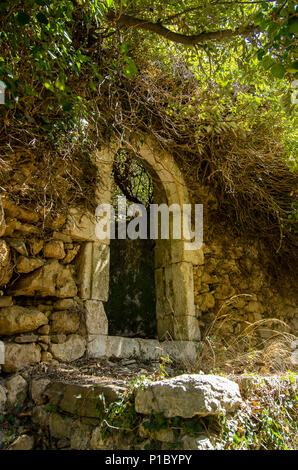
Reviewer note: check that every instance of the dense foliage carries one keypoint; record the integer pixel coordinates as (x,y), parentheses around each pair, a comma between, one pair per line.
(210,80)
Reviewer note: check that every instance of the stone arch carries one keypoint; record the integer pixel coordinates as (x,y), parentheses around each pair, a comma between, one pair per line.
(175,308)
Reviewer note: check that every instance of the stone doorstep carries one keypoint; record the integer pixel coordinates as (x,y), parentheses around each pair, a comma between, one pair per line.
(146,349)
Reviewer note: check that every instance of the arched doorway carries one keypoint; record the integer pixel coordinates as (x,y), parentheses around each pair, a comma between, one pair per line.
(175,310)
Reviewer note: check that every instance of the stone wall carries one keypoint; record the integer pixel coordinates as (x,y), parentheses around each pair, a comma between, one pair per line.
(234,287)
(41,314)
(54,280)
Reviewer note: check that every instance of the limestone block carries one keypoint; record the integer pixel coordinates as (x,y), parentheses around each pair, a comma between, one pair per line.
(18,319)
(35,246)
(52,279)
(100,272)
(118,346)
(97,345)
(60,426)
(24,442)
(26,265)
(6,266)
(149,349)
(179,281)
(80,225)
(188,395)
(40,416)
(18,245)
(196,443)
(73,348)
(96,319)
(65,321)
(186,328)
(85,270)
(71,254)
(63,304)
(20,355)
(37,387)
(80,437)
(2,225)
(163,302)
(54,249)
(6,301)
(3,398)
(180,350)
(85,400)
(12,210)
(26,339)
(165,327)
(17,390)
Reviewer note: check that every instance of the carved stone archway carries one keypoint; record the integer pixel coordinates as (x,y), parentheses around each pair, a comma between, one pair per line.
(175,309)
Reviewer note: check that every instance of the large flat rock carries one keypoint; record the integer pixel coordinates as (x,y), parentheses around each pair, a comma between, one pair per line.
(188,395)
(86,400)
(17,319)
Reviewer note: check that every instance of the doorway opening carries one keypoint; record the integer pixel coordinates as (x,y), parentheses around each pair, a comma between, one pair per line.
(131,306)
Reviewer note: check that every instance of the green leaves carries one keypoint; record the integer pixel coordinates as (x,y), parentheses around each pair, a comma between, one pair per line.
(23,18)
(278,70)
(41,18)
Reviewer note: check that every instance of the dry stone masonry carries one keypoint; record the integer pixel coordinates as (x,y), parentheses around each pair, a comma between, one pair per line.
(54,283)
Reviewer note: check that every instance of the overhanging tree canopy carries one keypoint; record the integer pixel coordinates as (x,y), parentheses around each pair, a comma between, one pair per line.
(79,73)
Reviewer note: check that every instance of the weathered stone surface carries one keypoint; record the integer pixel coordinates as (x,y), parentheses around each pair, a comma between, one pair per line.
(36,246)
(189,395)
(82,400)
(58,222)
(44,339)
(20,355)
(196,443)
(59,338)
(294,358)
(26,265)
(6,266)
(12,210)
(44,330)
(54,249)
(50,280)
(17,390)
(60,426)
(2,225)
(61,236)
(102,345)
(80,437)
(3,398)
(37,387)
(6,301)
(96,319)
(73,348)
(46,356)
(71,254)
(18,245)
(100,271)
(65,321)
(40,416)
(80,226)
(18,319)
(26,339)
(23,442)
(63,304)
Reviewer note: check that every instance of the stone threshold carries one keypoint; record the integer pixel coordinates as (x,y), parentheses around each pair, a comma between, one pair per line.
(139,348)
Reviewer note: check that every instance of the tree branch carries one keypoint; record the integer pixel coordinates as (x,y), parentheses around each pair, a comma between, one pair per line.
(187,40)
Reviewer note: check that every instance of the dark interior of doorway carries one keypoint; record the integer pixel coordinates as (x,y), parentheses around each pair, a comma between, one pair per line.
(131,308)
